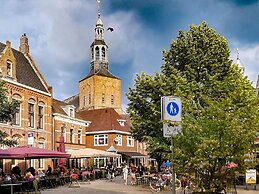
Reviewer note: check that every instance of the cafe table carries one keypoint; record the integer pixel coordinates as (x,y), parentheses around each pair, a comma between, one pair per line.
(11,185)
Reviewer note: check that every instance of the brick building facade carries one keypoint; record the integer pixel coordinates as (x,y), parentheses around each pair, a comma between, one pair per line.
(93,118)
(26,84)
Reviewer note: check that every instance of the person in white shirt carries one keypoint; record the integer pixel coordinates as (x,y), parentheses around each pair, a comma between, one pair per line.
(125,174)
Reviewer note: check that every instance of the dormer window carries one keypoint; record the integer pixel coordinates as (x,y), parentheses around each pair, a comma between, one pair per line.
(9,69)
(71,112)
(121,122)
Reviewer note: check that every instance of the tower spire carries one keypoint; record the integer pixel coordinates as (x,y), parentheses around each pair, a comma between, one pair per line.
(240,66)
(99,12)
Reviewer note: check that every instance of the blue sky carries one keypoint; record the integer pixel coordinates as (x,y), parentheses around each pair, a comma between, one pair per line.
(60,33)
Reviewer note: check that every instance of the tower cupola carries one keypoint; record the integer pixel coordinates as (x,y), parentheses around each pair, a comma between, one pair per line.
(99,49)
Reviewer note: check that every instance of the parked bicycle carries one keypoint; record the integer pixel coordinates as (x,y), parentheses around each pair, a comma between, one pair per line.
(187,187)
(163,181)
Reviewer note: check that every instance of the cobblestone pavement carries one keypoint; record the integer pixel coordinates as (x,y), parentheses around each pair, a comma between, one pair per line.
(117,187)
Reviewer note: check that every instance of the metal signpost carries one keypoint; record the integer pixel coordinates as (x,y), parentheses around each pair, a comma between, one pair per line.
(171,110)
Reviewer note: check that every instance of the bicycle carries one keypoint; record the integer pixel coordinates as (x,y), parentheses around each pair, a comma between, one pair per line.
(162,181)
(188,189)
(110,175)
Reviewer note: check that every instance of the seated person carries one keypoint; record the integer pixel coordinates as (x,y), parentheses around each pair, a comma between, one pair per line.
(41,174)
(74,176)
(29,176)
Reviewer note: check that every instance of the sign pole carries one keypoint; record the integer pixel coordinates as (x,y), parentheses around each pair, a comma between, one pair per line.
(171,110)
(173,173)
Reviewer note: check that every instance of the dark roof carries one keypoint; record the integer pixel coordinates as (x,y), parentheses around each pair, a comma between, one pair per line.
(57,107)
(102,72)
(2,46)
(98,42)
(103,120)
(133,154)
(24,71)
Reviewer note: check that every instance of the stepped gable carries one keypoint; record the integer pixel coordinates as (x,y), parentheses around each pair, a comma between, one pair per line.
(24,72)
(103,120)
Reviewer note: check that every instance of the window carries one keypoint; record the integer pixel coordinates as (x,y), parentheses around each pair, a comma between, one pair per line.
(41,161)
(112,99)
(92,53)
(31,115)
(9,69)
(79,137)
(84,101)
(89,95)
(118,140)
(71,136)
(40,115)
(100,140)
(97,53)
(16,116)
(71,112)
(103,53)
(3,121)
(130,141)
(103,98)
(63,133)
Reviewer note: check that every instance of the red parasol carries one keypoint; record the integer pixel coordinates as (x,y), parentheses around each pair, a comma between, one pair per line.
(28,152)
(62,161)
(231,165)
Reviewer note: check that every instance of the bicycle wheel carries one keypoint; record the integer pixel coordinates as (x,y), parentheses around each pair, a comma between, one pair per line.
(154,186)
(177,184)
(187,190)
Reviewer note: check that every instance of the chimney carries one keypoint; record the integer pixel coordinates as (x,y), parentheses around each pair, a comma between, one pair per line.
(24,45)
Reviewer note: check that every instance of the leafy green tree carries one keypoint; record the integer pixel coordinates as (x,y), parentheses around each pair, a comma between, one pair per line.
(7,110)
(220,108)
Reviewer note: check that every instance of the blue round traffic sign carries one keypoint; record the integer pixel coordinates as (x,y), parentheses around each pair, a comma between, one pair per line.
(172,108)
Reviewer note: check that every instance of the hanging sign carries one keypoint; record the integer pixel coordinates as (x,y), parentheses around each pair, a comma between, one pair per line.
(31,138)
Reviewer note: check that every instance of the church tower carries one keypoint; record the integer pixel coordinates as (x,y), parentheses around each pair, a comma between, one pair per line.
(100,88)
(239,64)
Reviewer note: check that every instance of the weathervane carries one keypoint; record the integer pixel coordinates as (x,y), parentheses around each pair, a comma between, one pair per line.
(99,2)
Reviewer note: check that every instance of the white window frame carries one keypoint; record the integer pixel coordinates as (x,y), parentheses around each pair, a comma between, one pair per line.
(98,138)
(118,140)
(11,68)
(72,139)
(64,134)
(79,141)
(33,103)
(41,161)
(20,116)
(71,112)
(130,141)
(41,105)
